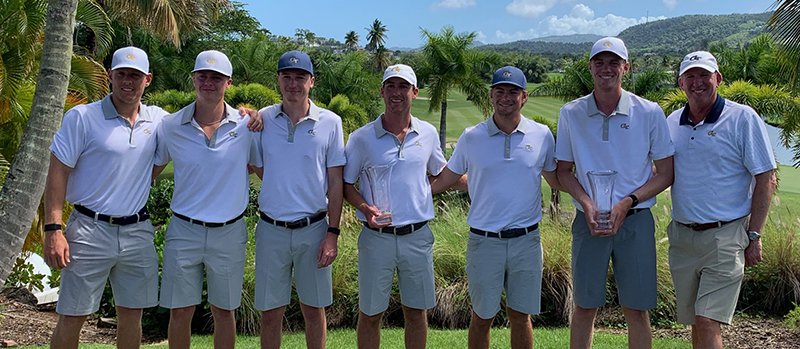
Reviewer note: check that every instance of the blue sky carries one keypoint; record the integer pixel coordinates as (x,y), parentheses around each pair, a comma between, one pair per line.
(496,21)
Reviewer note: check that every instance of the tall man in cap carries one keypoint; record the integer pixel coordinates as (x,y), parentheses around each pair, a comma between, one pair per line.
(612,129)
(720,199)
(504,249)
(411,148)
(101,161)
(210,147)
(302,149)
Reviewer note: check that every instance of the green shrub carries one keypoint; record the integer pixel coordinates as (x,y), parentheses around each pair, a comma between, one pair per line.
(170,100)
(254,96)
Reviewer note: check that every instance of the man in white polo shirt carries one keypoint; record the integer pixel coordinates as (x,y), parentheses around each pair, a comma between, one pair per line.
(101,161)
(724,181)
(612,129)
(302,149)
(504,249)
(410,147)
(210,147)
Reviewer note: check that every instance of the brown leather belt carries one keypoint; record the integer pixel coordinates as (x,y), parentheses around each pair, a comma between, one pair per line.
(706,226)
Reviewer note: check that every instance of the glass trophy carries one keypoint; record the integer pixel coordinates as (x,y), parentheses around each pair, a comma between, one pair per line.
(602,183)
(379,178)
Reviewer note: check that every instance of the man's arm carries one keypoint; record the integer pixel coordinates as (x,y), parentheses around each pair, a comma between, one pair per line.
(328,248)
(355,199)
(157,171)
(569,183)
(447,179)
(762,196)
(663,176)
(552,180)
(56,249)
(256,123)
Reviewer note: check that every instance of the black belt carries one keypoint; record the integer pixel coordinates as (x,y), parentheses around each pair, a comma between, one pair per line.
(399,229)
(140,216)
(505,234)
(300,223)
(207,224)
(634,211)
(706,226)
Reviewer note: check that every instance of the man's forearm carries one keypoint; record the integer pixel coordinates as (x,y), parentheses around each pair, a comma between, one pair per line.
(354,198)
(762,197)
(663,177)
(55,191)
(335,196)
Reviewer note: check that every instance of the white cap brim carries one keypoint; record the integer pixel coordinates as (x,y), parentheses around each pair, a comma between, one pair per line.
(131,66)
(407,79)
(211,69)
(698,65)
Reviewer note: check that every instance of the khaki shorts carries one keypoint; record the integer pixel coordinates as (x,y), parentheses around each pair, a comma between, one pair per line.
(632,251)
(191,250)
(125,255)
(278,251)
(380,254)
(494,264)
(707,269)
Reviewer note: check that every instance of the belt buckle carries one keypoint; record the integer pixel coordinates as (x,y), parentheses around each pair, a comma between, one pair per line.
(500,235)
(394,230)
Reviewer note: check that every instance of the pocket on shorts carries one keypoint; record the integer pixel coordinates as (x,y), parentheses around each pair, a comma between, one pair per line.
(474,242)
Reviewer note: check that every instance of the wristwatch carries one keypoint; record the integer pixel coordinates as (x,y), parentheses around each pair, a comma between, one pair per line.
(753,235)
(634,199)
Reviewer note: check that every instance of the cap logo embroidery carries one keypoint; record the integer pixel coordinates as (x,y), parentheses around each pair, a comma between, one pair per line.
(507,74)
(694,58)
(147,131)
(233,134)
(712,133)
(625,126)
(130,56)
(211,61)
(293,60)
(608,44)
(312,132)
(397,69)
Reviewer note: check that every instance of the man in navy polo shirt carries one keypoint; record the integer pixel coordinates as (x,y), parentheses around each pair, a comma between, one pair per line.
(724,181)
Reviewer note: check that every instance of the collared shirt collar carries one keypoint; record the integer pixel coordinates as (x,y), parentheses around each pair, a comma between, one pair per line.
(522,126)
(313,111)
(623,106)
(380,131)
(711,117)
(110,111)
(231,115)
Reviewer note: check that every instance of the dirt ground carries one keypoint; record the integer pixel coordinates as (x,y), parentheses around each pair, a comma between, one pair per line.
(27,325)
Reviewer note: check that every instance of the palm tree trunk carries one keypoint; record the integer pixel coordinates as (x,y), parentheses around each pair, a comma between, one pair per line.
(24,184)
(443,126)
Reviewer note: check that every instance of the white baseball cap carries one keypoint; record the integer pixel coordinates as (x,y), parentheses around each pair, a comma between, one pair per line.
(400,71)
(130,57)
(215,61)
(699,59)
(610,44)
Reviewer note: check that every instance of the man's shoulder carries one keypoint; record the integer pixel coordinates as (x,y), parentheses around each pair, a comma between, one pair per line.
(576,105)
(644,104)
(326,115)
(425,126)
(536,127)
(363,131)
(81,110)
(270,111)
(738,109)
(675,116)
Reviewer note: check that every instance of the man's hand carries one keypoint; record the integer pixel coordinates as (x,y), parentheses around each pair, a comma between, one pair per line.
(590,212)
(618,214)
(372,213)
(327,250)
(752,254)
(256,124)
(56,249)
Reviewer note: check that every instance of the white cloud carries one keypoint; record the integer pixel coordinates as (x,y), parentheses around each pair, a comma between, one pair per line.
(480,36)
(581,20)
(670,4)
(529,8)
(452,4)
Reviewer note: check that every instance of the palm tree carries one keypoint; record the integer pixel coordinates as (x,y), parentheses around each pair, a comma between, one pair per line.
(351,40)
(785,26)
(376,35)
(381,58)
(450,63)
(576,81)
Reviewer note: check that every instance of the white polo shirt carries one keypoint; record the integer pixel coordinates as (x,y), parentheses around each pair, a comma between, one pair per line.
(504,173)
(296,159)
(716,161)
(211,180)
(411,160)
(111,161)
(627,141)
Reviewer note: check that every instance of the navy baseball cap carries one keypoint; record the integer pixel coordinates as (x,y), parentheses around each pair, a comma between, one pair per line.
(510,75)
(296,60)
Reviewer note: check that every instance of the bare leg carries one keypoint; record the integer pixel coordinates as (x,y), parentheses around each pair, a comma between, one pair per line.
(129,328)
(480,331)
(224,328)
(521,329)
(707,333)
(581,328)
(416,335)
(67,332)
(316,326)
(369,331)
(180,327)
(272,328)
(639,335)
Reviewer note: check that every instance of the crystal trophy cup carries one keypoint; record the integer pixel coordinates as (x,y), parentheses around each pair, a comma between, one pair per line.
(379,178)
(602,183)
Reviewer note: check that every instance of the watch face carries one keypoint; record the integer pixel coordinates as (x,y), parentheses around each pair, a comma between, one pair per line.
(753,235)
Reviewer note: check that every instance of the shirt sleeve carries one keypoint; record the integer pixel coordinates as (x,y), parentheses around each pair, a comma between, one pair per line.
(550,153)
(69,141)
(563,142)
(162,150)
(660,141)
(335,156)
(458,161)
(436,162)
(352,169)
(757,154)
(255,158)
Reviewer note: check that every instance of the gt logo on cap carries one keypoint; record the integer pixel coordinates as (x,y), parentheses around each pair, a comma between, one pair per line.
(507,74)
(130,56)
(211,61)
(397,69)
(694,58)
(293,60)
(608,44)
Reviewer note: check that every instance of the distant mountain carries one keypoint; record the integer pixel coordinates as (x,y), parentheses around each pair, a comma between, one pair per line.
(673,36)
(398,48)
(570,39)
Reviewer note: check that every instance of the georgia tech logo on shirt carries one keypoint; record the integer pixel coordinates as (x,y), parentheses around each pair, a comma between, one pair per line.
(625,126)
(312,132)
(417,143)
(211,61)
(233,134)
(712,133)
(130,56)
(528,147)
(147,131)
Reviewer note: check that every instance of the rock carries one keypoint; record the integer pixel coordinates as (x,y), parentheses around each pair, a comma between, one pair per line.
(105,322)
(7,343)
(19,294)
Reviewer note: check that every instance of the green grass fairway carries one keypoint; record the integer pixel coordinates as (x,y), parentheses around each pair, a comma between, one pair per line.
(789,179)
(462,113)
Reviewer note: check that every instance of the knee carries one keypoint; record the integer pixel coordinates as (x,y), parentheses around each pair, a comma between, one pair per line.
(181,314)
(414,315)
(129,314)
(517,318)
(635,315)
(222,314)
(581,313)
(480,323)
(313,315)
(68,321)
(371,320)
(702,323)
